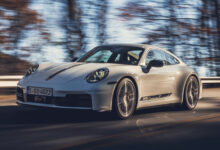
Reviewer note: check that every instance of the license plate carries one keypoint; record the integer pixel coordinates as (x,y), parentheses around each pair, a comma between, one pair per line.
(40,91)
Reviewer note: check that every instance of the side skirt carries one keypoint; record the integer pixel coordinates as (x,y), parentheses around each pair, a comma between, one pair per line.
(158,100)
(155,97)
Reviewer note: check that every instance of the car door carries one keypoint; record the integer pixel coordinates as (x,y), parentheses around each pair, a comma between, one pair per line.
(159,81)
(174,70)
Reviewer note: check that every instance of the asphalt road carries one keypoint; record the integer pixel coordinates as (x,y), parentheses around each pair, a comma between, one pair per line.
(155,128)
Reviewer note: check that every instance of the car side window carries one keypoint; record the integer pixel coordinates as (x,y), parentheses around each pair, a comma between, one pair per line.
(100,56)
(133,56)
(154,55)
(161,55)
(170,60)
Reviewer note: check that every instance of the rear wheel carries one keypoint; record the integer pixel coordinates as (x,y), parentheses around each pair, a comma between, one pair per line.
(191,93)
(125,99)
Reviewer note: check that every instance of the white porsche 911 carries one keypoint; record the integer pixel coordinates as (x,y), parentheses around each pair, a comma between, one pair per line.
(120,78)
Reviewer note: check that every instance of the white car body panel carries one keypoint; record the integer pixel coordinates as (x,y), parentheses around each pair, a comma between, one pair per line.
(164,80)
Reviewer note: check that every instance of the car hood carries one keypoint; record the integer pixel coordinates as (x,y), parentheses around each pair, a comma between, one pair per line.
(65,72)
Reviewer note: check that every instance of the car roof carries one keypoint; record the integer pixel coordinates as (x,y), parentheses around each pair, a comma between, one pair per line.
(145,46)
(124,44)
(137,45)
(134,45)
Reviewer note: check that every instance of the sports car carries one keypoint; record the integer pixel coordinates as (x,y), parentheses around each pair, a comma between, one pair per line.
(120,78)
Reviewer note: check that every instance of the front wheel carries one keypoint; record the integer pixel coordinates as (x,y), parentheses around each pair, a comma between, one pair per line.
(191,93)
(125,99)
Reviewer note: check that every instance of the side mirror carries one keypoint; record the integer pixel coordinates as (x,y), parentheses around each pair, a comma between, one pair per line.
(155,63)
(152,63)
(74,59)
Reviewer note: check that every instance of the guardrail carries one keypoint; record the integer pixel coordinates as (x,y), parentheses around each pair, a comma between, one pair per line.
(11,81)
(210,80)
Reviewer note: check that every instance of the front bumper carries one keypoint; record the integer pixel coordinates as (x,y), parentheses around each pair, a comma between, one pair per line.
(26,104)
(99,97)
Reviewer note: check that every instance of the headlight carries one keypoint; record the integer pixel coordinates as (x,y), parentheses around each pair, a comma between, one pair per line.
(97,75)
(31,70)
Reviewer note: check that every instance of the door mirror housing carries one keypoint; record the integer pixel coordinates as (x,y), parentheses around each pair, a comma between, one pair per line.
(155,63)
(152,63)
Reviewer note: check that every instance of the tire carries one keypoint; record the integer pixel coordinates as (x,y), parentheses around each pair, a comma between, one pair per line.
(125,99)
(191,93)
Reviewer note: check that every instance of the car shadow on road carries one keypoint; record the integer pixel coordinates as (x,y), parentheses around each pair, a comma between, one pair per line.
(14,115)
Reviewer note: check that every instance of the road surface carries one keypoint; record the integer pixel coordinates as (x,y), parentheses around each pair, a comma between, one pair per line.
(155,128)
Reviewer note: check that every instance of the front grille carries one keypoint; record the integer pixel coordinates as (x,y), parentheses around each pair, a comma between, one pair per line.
(70,100)
(20,94)
(77,100)
(41,99)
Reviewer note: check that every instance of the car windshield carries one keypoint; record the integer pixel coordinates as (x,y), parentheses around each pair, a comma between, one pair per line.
(114,54)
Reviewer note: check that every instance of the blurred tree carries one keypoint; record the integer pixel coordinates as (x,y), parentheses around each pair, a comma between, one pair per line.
(216,16)
(190,29)
(73,26)
(16,17)
(181,26)
(171,35)
(101,19)
(82,21)
(174,22)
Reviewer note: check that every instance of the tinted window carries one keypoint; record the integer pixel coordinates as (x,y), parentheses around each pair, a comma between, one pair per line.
(100,56)
(154,55)
(170,60)
(161,55)
(114,54)
(134,55)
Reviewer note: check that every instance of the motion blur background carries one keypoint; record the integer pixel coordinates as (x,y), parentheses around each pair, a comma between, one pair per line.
(37,31)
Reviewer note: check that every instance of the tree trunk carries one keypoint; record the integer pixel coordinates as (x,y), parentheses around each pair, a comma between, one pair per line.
(217,16)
